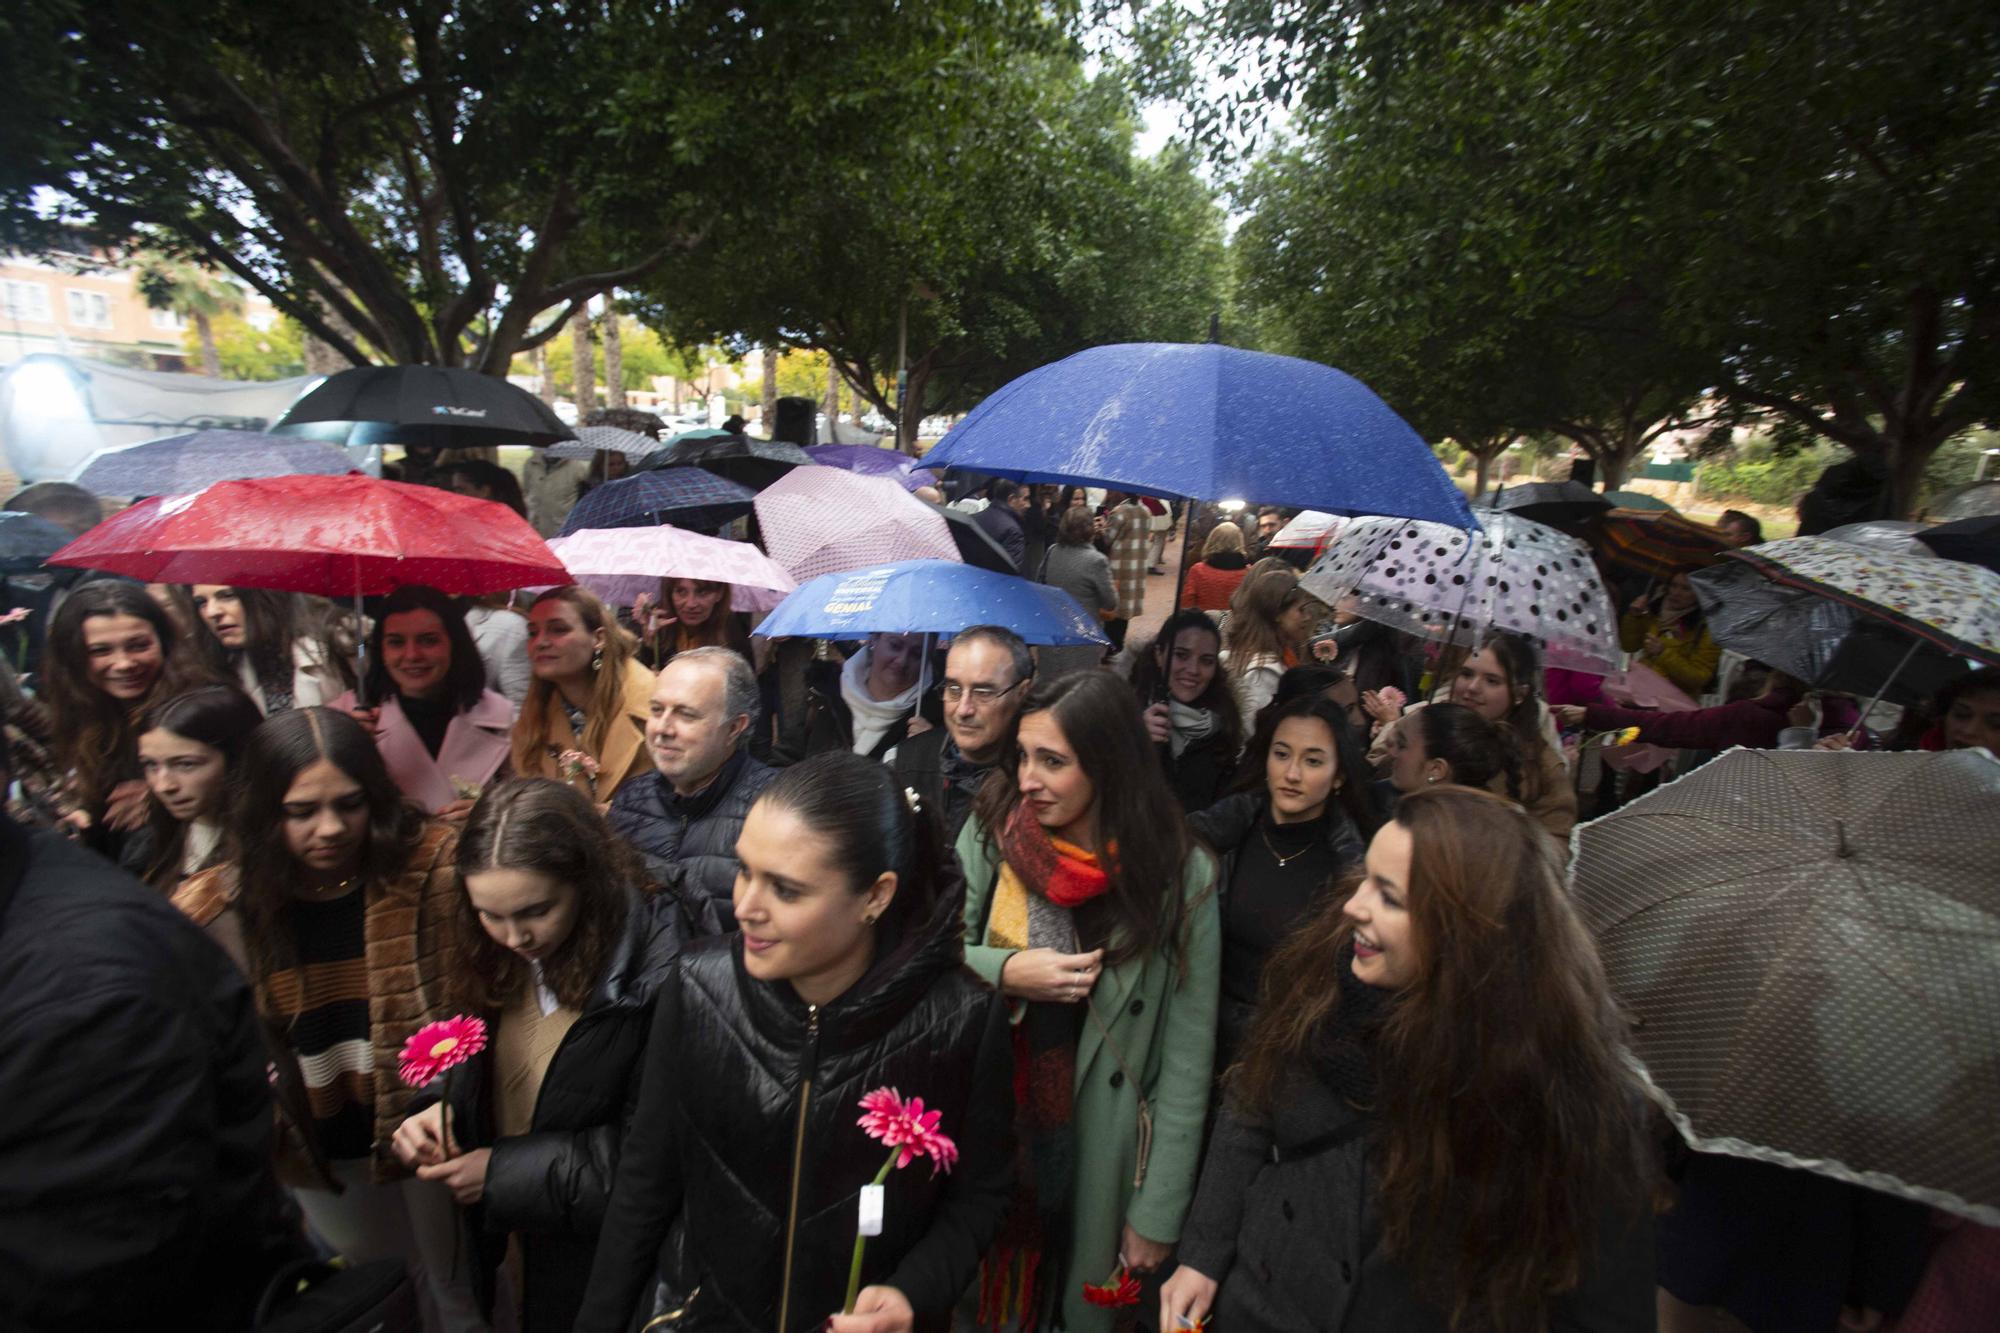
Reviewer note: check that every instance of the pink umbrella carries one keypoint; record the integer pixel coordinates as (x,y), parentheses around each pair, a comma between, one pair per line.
(618,564)
(822,520)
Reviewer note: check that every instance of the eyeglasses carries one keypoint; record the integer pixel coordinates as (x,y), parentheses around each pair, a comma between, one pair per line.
(982,695)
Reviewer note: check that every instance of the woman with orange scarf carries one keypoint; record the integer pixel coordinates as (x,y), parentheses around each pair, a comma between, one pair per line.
(1090,906)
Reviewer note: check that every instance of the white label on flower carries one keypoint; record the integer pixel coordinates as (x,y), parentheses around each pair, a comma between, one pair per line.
(871,1210)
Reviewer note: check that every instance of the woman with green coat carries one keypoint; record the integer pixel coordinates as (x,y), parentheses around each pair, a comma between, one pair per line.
(1092,909)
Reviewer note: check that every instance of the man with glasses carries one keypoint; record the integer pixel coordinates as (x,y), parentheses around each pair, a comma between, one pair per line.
(986,673)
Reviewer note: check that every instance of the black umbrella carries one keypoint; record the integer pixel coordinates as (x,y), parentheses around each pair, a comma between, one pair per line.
(975,547)
(1975,541)
(1556,503)
(422,405)
(1975,499)
(26,540)
(1827,644)
(741,458)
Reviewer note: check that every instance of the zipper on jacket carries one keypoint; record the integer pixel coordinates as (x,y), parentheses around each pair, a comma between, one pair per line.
(798,1161)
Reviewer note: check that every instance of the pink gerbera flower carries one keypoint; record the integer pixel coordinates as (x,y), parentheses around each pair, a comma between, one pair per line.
(908,1126)
(433,1049)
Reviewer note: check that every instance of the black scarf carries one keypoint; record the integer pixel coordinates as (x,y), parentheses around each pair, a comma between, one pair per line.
(1343,1051)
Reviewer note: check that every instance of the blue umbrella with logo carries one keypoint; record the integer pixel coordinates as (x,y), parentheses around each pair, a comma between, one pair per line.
(938,597)
(181,464)
(686,497)
(1207,422)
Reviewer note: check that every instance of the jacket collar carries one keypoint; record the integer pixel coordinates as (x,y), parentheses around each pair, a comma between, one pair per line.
(700,803)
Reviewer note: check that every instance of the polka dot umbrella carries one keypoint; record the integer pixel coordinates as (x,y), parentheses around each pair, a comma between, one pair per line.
(1448,585)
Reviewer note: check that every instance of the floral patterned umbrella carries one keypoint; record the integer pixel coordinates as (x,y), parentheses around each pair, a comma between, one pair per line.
(1444,584)
(1955,606)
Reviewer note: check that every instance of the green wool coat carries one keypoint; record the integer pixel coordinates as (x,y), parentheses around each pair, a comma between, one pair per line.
(1163,1024)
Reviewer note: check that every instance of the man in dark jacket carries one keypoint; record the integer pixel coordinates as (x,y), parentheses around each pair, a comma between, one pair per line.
(986,674)
(1001,520)
(685,817)
(135,1135)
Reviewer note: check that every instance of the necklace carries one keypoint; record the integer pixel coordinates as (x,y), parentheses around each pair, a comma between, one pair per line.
(333,890)
(1284,860)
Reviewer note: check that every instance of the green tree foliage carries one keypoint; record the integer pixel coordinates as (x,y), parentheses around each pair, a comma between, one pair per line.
(445,183)
(646,356)
(246,352)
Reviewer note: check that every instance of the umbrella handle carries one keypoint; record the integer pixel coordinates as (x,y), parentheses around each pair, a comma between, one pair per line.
(1856,729)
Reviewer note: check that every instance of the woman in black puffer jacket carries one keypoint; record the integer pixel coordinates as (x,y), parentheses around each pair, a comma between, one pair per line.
(563,952)
(736,1199)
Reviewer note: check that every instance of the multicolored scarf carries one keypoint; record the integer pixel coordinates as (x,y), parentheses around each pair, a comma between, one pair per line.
(1041,880)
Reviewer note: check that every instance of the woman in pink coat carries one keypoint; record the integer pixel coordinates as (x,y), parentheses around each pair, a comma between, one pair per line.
(442,733)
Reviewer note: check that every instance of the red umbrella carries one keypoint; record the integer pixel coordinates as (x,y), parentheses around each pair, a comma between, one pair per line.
(335,536)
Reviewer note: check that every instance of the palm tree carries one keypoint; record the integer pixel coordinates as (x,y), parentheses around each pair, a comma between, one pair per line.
(193,293)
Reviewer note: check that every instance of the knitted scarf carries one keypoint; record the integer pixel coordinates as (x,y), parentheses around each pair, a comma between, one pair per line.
(1039,882)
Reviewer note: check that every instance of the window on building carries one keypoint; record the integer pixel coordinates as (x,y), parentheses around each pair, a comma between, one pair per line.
(26,300)
(90,310)
(170,320)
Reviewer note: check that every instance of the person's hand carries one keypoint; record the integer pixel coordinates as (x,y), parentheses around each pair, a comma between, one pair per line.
(125,808)
(918,726)
(419,1140)
(1801,714)
(1838,741)
(458,809)
(1641,603)
(464,1175)
(1185,1299)
(369,718)
(1159,723)
(75,824)
(876,1310)
(1568,716)
(1654,643)
(1046,975)
(1136,1254)
(1378,708)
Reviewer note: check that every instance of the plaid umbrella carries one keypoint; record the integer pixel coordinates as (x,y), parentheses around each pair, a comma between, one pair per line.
(1443,584)
(26,540)
(1955,606)
(1808,946)
(182,463)
(1656,542)
(822,520)
(590,440)
(685,497)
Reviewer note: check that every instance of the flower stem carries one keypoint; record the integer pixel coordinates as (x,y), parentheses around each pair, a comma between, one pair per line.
(861,1241)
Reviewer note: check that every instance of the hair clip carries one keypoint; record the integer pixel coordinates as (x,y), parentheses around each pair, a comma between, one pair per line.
(916,802)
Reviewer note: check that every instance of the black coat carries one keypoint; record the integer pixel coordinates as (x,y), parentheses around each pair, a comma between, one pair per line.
(829,722)
(1003,525)
(747,1120)
(551,1185)
(1286,1219)
(1201,774)
(691,839)
(135,1131)
(920,766)
(1230,822)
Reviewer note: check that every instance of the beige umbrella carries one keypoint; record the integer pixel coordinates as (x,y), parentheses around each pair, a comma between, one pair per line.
(1808,946)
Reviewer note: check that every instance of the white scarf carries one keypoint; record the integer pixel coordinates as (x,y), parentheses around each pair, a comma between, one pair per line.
(872,717)
(1190,724)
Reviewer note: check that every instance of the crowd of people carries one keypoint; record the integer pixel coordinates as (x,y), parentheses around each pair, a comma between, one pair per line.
(1234,967)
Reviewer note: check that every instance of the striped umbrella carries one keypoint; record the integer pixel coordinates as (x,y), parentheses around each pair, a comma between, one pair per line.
(1657,542)
(686,497)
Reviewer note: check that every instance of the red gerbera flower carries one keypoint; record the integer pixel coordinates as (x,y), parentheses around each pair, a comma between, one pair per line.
(1121,1290)
(907,1125)
(440,1046)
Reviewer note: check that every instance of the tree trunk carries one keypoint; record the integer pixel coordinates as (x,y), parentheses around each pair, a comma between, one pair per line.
(1613,463)
(322,357)
(770,359)
(910,415)
(832,398)
(545,380)
(204,332)
(585,361)
(1907,458)
(1482,469)
(614,358)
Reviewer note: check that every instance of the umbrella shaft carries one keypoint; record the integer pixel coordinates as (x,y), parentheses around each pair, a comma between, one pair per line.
(1887,685)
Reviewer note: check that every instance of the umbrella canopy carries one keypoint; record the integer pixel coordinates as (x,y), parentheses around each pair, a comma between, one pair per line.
(685,497)
(1206,422)
(1635,500)
(1975,541)
(618,564)
(975,544)
(930,597)
(1975,499)
(591,440)
(749,462)
(1897,536)
(821,520)
(27,541)
(1825,643)
(1307,531)
(178,464)
(862,458)
(1657,542)
(1435,581)
(424,405)
(1952,605)
(1556,503)
(335,536)
(1807,944)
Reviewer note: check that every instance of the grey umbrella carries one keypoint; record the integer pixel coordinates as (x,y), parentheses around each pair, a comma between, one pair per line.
(1808,947)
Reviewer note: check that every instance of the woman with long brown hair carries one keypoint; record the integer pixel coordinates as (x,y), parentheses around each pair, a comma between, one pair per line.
(588,706)
(563,949)
(1432,1126)
(1270,619)
(692,613)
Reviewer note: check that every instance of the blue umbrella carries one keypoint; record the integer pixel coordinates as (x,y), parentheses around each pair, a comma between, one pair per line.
(1207,422)
(180,464)
(686,497)
(929,597)
(26,540)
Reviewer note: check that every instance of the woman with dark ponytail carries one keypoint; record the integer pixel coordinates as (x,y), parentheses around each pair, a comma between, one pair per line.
(735,1201)
(1448,742)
